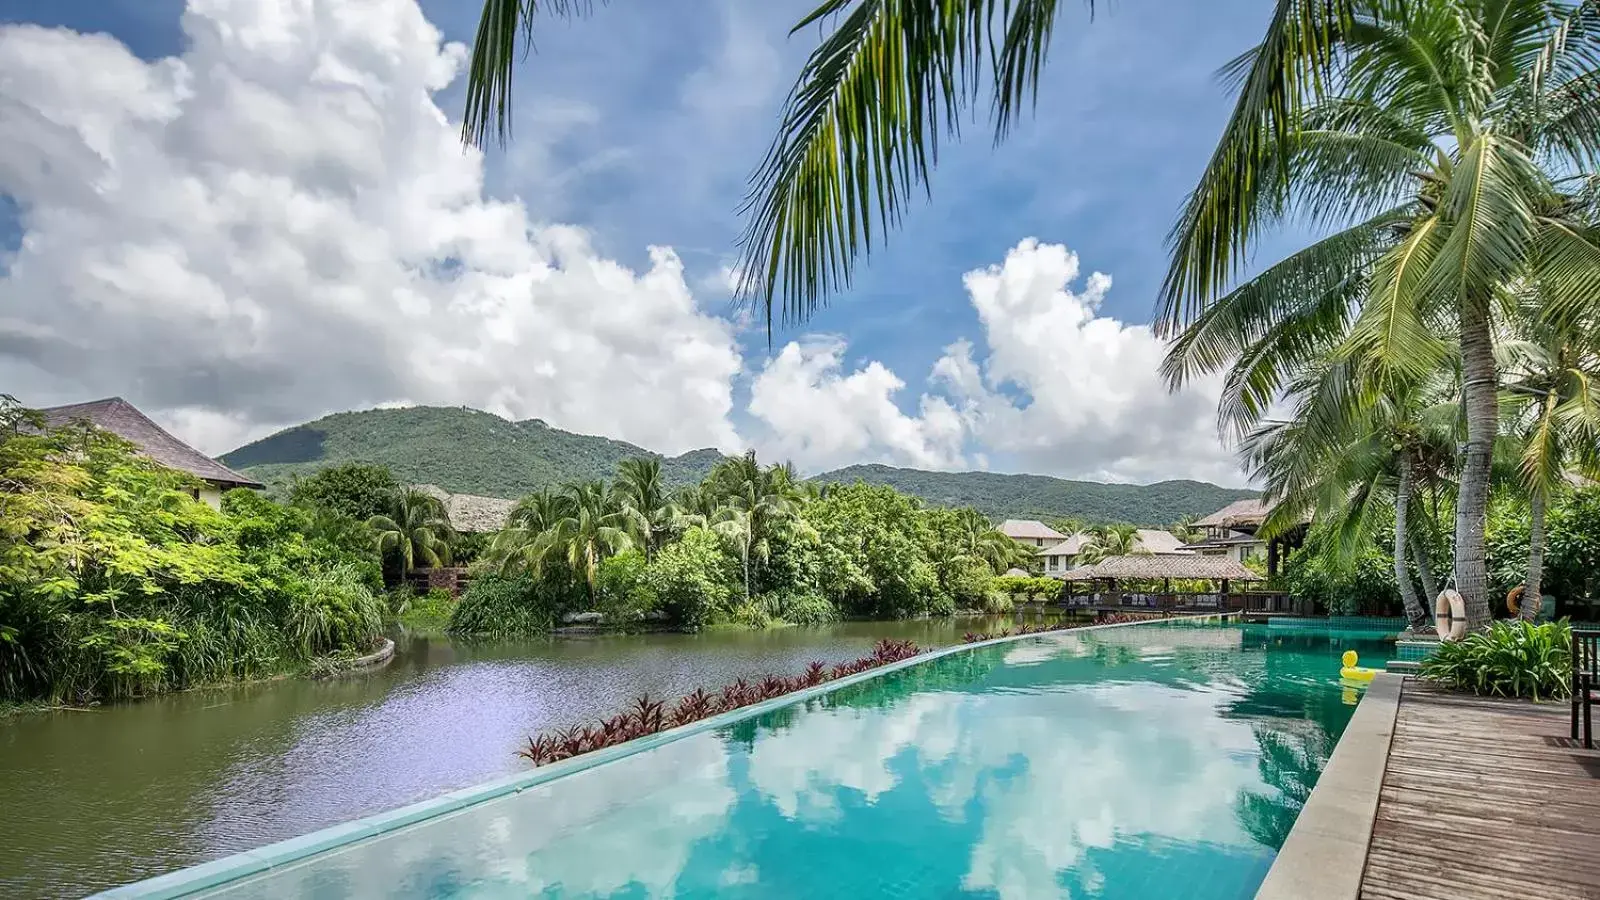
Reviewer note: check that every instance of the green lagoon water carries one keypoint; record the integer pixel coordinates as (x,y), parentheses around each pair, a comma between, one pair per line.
(1148,762)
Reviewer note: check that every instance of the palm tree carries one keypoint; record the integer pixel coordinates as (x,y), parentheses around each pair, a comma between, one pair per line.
(1433,129)
(754,503)
(594,528)
(525,542)
(975,538)
(417,528)
(1110,540)
(1349,451)
(639,492)
(1553,398)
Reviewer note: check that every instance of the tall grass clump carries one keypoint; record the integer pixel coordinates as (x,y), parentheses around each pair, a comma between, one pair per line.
(1511,659)
(336,610)
(501,606)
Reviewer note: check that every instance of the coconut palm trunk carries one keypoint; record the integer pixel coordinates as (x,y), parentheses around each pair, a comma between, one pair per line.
(1532,590)
(1482,418)
(1415,614)
(1420,555)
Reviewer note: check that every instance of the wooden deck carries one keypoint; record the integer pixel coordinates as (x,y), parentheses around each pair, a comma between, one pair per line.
(1484,798)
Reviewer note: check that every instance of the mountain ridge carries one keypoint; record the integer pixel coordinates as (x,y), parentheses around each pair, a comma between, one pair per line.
(470,451)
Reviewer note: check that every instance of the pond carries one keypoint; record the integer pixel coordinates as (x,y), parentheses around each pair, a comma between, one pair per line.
(92,799)
(1143,762)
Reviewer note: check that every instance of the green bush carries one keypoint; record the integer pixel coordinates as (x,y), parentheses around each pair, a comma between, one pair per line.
(798,606)
(997,602)
(336,611)
(1511,659)
(502,606)
(967,582)
(1013,586)
(693,579)
(622,595)
(431,611)
(356,491)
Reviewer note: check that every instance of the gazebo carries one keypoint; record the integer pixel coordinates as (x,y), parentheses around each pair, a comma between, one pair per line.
(1164,567)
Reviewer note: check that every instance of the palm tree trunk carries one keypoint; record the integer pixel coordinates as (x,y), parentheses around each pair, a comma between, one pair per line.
(1402,573)
(1419,555)
(1533,590)
(1483,416)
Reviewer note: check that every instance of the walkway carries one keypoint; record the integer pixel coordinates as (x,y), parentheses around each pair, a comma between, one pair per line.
(1484,798)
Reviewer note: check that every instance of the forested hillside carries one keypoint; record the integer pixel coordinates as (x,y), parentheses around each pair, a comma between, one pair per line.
(461,450)
(1042,497)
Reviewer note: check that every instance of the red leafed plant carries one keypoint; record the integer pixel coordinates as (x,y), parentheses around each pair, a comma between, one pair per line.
(645,716)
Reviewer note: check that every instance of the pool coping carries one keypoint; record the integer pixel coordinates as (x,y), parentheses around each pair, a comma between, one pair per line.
(1326,851)
(205,876)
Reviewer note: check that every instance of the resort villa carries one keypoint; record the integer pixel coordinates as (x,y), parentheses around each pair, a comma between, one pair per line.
(123,419)
(1232,532)
(1060,557)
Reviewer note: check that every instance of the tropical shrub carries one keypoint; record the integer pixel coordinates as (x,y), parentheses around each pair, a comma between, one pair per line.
(430,611)
(694,579)
(356,491)
(1511,659)
(622,595)
(799,606)
(337,610)
(502,606)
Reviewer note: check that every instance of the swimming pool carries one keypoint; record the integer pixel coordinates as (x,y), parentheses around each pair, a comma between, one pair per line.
(1138,762)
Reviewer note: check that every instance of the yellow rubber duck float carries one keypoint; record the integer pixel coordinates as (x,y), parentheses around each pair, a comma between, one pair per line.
(1353,672)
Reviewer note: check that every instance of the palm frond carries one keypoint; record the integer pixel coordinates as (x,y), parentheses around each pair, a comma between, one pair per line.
(503,27)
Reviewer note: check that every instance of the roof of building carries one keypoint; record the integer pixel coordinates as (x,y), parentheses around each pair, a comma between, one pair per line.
(1026,529)
(1151,540)
(1164,565)
(470,512)
(123,419)
(1234,537)
(1250,511)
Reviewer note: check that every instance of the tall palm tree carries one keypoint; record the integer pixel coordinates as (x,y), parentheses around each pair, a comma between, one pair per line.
(577,528)
(754,503)
(1437,130)
(526,541)
(417,528)
(1553,400)
(639,491)
(1352,448)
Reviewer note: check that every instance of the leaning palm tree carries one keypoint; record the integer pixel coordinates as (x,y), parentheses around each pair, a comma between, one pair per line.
(1552,390)
(417,529)
(975,539)
(1440,133)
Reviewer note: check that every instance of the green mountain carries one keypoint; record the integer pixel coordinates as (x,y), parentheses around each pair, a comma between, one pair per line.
(468,451)
(1042,497)
(461,450)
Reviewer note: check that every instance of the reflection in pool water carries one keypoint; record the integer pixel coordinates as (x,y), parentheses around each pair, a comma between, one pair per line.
(1153,761)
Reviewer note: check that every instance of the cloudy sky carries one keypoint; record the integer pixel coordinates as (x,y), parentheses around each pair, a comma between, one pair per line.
(243,214)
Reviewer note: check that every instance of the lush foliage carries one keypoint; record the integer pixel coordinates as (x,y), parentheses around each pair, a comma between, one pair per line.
(114,582)
(1510,659)
(355,490)
(1023,588)
(646,716)
(429,612)
(501,606)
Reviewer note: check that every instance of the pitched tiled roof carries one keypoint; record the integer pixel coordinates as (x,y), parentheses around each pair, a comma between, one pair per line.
(470,512)
(1026,529)
(1150,539)
(122,418)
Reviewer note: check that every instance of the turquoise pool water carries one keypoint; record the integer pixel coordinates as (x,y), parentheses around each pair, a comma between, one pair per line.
(1147,762)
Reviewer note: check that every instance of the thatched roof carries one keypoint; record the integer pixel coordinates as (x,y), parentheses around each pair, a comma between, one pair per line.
(1029,529)
(123,419)
(470,512)
(1249,512)
(1163,565)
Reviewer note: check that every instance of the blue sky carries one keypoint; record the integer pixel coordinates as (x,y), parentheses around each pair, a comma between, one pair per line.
(640,124)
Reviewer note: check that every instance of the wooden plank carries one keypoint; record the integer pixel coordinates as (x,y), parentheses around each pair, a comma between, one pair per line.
(1495,783)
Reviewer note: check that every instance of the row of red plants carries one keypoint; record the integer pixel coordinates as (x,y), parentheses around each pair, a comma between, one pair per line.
(1115,618)
(646,716)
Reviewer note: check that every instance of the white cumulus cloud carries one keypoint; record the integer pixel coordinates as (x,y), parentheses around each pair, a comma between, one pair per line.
(281,222)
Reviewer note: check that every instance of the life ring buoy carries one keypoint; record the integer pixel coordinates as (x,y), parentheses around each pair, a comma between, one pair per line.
(1353,672)
(1514,599)
(1450,615)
